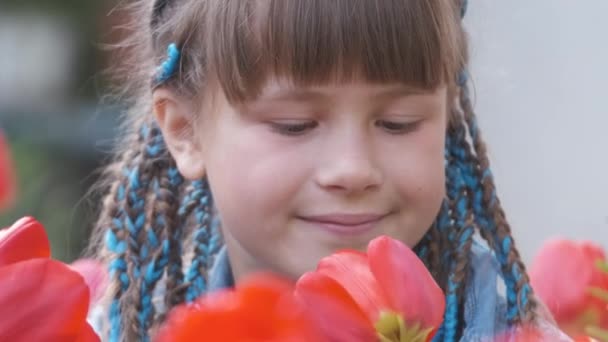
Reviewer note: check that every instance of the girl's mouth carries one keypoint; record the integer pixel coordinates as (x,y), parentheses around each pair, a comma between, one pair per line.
(345,224)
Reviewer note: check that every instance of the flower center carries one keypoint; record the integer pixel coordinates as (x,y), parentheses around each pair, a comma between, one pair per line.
(391,327)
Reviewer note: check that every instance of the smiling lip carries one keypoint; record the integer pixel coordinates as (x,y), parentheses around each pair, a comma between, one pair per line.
(345,224)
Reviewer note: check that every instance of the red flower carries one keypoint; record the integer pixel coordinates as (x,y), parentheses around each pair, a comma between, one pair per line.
(390,290)
(263,308)
(563,275)
(24,240)
(7,176)
(41,299)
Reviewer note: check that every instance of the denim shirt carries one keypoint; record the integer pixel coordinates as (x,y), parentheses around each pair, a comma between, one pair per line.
(484,306)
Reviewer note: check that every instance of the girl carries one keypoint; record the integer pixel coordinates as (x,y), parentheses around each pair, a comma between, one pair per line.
(314,126)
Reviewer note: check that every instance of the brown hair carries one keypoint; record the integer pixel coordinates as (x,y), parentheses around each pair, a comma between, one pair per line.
(236,45)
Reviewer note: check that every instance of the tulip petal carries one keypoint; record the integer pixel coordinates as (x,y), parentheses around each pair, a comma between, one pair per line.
(88,334)
(407,283)
(42,300)
(335,311)
(262,308)
(595,254)
(351,270)
(25,239)
(560,276)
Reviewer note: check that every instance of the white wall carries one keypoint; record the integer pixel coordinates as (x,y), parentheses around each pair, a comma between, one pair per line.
(540,71)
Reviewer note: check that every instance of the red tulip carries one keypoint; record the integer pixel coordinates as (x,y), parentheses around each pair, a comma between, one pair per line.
(41,299)
(7,176)
(392,290)
(25,239)
(335,311)
(563,275)
(262,308)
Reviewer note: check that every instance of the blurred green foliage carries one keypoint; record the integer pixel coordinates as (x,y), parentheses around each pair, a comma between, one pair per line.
(54,180)
(51,187)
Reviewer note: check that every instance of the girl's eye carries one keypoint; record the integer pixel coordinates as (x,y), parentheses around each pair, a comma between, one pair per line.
(293,129)
(397,127)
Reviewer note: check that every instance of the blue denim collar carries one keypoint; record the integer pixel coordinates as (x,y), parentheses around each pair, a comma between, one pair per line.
(220,275)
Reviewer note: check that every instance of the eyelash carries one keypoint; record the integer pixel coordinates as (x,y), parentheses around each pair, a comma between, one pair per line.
(397,127)
(293,129)
(391,127)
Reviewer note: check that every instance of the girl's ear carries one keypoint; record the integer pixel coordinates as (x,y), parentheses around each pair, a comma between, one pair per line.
(175,118)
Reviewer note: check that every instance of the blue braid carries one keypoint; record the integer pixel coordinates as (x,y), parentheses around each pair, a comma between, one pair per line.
(465,230)
(153,271)
(206,242)
(126,226)
(135,218)
(202,212)
(117,268)
(455,186)
(174,270)
(466,175)
(486,221)
(129,223)
(447,225)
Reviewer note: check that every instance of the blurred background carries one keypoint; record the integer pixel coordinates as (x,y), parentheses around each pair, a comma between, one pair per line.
(51,111)
(539,72)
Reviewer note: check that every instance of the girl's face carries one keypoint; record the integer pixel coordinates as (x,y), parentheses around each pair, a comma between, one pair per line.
(298,173)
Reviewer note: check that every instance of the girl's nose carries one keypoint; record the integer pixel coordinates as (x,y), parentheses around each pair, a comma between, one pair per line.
(350,169)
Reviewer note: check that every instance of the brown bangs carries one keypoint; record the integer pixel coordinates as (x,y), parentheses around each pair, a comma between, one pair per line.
(416,42)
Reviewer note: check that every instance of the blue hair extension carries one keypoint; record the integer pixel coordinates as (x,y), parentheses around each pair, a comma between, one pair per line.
(134,212)
(466,227)
(117,268)
(154,269)
(477,174)
(128,224)
(512,274)
(196,279)
(175,275)
(169,66)
(447,224)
